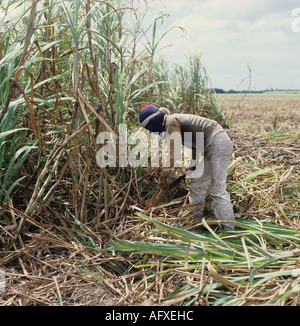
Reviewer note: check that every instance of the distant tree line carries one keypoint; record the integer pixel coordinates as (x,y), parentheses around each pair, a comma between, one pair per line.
(232,91)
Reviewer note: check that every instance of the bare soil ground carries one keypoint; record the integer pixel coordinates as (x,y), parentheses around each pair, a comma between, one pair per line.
(268,124)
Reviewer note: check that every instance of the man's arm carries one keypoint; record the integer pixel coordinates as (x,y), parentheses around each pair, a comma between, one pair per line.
(173,131)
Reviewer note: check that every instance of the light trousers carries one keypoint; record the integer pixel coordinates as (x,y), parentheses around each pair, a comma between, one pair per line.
(216,161)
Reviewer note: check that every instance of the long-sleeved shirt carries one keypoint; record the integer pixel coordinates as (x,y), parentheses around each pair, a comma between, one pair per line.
(188,123)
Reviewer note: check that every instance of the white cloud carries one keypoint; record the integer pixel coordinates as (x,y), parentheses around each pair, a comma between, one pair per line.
(230,33)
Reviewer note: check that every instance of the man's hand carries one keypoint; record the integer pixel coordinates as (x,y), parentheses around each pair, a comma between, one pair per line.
(163,184)
(192,168)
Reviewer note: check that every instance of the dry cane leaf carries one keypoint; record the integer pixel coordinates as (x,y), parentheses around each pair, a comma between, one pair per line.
(223,280)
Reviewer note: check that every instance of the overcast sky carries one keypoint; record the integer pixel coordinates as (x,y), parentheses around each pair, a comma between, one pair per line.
(233,33)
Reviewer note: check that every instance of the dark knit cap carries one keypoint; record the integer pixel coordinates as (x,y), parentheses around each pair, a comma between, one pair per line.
(151,118)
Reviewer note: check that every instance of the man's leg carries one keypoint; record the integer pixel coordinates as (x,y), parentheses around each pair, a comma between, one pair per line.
(197,190)
(220,154)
